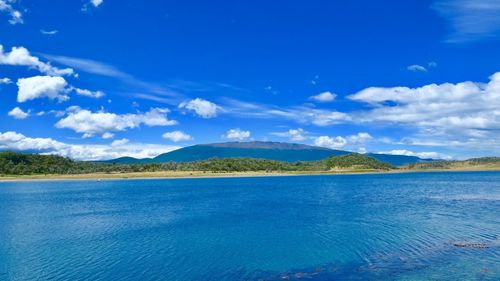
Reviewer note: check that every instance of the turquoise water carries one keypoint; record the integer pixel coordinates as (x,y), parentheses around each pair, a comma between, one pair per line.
(361,227)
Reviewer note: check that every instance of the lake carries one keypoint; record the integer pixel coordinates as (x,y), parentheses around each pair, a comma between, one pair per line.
(377,227)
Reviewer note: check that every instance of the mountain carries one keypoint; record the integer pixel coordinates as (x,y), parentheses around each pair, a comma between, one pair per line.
(398,160)
(288,152)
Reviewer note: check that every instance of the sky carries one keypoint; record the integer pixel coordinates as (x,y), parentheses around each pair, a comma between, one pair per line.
(102,79)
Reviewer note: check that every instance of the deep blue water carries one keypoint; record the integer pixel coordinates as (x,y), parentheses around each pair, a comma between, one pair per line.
(361,227)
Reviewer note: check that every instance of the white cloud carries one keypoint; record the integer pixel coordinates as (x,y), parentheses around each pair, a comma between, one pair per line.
(15,15)
(359,138)
(120,142)
(108,135)
(423,155)
(5,81)
(470,19)
(324,118)
(99,123)
(201,107)
(330,142)
(177,136)
(18,113)
(300,114)
(416,68)
(15,141)
(463,110)
(324,97)
(48,32)
(88,93)
(20,56)
(338,142)
(293,134)
(96,3)
(237,134)
(52,87)
(89,66)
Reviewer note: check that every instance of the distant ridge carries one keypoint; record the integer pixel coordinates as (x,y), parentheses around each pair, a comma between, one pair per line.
(280,151)
(266,145)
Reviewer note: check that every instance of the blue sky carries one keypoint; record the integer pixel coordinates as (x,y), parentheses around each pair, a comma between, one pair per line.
(102,79)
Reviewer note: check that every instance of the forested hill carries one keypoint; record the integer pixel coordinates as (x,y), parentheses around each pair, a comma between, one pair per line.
(287,152)
(12,163)
(34,164)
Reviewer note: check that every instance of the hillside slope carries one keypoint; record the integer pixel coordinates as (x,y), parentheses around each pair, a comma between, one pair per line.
(287,152)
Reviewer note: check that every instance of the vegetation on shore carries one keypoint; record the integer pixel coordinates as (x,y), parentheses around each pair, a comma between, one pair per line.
(18,164)
(469,164)
(356,161)
(34,164)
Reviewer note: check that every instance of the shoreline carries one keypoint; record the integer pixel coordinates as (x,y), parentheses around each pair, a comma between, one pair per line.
(206,175)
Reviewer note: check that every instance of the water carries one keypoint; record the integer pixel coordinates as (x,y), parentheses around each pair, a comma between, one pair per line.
(375,227)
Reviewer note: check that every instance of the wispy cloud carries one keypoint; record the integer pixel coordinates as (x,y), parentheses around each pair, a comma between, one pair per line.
(48,32)
(323,97)
(300,114)
(470,20)
(89,66)
(416,68)
(143,89)
(16,16)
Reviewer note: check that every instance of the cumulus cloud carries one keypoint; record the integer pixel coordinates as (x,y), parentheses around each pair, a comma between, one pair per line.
(18,142)
(107,135)
(120,142)
(293,134)
(15,15)
(5,81)
(330,142)
(323,97)
(359,138)
(177,136)
(237,134)
(52,87)
(463,110)
(20,56)
(91,123)
(201,107)
(416,68)
(341,142)
(423,155)
(18,113)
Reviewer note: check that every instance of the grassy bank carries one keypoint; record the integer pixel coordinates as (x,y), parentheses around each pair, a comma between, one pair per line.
(176,174)
(204,174)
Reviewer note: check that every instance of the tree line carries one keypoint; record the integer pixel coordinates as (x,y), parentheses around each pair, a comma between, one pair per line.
(12,163)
